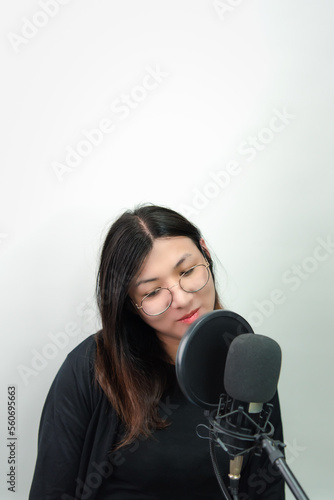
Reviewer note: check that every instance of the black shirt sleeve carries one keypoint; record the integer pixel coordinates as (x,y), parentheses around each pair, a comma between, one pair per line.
(63,429)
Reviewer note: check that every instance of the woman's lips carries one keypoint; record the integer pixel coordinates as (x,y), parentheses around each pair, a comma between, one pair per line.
(189,318)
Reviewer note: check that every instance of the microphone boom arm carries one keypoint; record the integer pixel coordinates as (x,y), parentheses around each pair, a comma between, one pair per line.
(277,458)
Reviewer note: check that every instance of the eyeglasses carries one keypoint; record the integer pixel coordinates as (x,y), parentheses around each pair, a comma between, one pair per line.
(191,281)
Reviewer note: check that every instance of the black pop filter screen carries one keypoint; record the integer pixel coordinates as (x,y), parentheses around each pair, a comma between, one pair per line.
(201,356)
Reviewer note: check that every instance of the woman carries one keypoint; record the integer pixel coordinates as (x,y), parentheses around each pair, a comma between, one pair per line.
(115,423)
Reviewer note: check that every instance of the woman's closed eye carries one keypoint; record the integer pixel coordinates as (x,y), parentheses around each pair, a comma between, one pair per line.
(152,294)
(188,272)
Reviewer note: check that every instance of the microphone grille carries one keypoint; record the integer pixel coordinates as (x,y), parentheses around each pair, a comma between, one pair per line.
(252,368)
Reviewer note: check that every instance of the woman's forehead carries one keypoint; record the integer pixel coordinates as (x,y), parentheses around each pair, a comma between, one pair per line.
(166,250)
(166,255)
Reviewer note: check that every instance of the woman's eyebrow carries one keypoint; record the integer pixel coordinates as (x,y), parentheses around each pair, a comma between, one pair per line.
(179,262)
(183,258)
(141,282)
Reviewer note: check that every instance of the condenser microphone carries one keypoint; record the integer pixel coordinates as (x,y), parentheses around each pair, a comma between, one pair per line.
(222,366)
(251,376)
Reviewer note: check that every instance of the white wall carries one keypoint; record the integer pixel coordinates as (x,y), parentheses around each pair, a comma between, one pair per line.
(225,71)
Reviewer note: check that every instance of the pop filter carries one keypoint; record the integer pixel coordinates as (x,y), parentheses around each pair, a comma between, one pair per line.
(201,356)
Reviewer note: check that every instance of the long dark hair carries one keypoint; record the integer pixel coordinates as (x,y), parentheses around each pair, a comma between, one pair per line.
(131,364)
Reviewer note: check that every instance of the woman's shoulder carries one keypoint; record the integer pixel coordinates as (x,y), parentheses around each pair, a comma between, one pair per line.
(86,350)
(78,368)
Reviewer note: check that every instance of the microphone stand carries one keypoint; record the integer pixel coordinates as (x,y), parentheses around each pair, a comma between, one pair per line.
(234,440)
(277,458)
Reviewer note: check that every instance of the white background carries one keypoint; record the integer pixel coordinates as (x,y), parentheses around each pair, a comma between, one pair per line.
(227,72)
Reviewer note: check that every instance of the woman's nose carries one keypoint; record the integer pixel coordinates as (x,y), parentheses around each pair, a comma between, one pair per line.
(179,297)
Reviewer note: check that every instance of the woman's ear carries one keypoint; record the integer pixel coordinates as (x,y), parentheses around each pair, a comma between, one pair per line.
(204,248)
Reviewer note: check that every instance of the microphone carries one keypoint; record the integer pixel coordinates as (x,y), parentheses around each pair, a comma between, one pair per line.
(251,376)
(252,368)
(223,367)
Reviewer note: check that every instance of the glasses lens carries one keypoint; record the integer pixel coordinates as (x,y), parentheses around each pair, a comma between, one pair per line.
(157,302)
(195,278)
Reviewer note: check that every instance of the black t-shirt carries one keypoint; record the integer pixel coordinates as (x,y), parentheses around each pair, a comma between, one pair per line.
(79,428)
(173,464)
